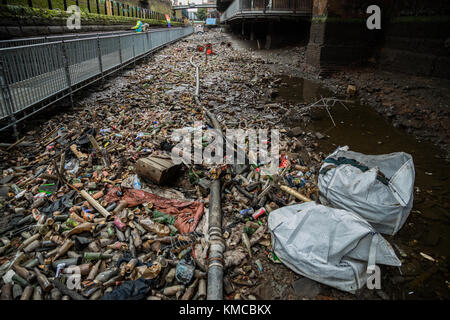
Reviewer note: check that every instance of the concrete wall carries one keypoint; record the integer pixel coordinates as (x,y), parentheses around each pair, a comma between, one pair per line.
(338,34)
(417,39)
(283,32)
(412,38)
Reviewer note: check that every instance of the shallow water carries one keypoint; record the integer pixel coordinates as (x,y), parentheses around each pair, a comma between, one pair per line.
(427,229)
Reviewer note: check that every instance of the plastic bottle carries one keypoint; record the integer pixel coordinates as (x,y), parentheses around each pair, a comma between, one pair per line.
(163,217)
(87,214)
(160,229)
(119,224)
(259,213)
(106,275)
(45,284)
(16,189)
(184,272)
(137,183)
(247,211)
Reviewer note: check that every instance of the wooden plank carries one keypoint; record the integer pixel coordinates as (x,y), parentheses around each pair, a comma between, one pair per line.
(15,143)
(100,151)
(156,169)
(95,204)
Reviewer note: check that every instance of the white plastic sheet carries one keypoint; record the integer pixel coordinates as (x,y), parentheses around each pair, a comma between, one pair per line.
(331,246)
(385,206)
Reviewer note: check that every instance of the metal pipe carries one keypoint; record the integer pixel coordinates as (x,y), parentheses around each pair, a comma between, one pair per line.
(197,78)
(217,246)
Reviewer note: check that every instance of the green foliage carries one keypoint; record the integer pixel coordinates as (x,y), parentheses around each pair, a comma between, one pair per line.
(38,16)
(201,14)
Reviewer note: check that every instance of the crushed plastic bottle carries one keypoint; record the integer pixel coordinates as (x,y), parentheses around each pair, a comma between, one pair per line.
(184,272)
(137,182)
(73,165)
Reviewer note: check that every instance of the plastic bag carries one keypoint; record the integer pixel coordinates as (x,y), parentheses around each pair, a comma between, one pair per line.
(331,246)
(377,187)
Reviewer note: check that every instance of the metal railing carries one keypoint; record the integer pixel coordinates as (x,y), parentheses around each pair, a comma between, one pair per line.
(279,7)
(33,74)
(45,39)
(62,37)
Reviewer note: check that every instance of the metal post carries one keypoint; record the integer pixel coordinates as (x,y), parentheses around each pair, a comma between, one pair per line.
(50,7)
(149,46)
(65,5)
(100,58)
(8,101)
(120,51)
(106,9)
(118,9)
(77,2)
(269,35)
(98,6)
(89,5)
(30,3)
(134,54)
(67,71)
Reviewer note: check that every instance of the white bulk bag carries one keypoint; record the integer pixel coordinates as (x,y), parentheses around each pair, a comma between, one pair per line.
(383,194)
(331,246)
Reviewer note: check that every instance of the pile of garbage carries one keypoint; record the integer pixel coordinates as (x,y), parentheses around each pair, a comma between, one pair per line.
(94,208)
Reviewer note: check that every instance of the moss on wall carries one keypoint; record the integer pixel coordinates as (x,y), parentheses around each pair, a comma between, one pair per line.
(327,19)
(14,15)
(161,6)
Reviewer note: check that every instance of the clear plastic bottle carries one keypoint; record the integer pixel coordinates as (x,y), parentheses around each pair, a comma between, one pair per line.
(136,182)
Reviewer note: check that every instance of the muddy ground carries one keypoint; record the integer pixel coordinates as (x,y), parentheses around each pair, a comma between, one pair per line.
(417,105)
(391,112)
(270,88)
